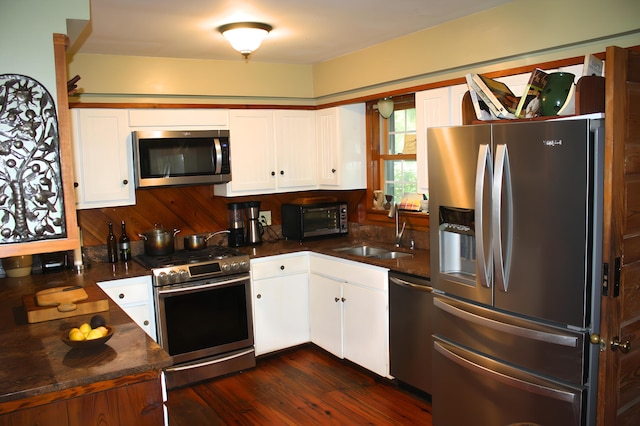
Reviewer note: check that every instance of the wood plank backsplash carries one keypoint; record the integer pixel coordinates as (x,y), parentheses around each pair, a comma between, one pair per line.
(192,209)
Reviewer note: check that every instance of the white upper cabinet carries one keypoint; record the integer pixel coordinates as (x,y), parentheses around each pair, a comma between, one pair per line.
(296,158)
(342,147)
(433,109)
(102,160)
(251,138)
(271,151)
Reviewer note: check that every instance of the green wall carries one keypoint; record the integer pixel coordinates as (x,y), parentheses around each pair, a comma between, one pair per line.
(26,35)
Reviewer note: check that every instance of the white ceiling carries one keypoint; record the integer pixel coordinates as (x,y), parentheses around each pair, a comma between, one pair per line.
(305,31)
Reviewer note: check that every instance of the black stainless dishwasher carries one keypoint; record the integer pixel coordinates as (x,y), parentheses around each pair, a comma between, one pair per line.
(410,330)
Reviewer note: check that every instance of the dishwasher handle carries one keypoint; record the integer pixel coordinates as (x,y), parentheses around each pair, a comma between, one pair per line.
(404,283)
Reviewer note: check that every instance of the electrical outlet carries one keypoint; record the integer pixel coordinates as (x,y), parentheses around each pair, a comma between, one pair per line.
(265,217)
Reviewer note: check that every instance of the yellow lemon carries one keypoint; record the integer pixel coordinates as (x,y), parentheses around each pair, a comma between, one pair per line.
(85,328)
(94,334)
(76,335)
(74,330)
(103,330)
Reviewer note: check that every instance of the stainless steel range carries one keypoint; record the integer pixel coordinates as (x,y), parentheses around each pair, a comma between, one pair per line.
(203,312)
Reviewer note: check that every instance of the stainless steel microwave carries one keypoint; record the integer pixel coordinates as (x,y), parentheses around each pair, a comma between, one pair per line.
(178,158)
(304,221)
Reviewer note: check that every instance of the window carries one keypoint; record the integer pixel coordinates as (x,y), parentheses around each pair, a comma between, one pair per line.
(397,136)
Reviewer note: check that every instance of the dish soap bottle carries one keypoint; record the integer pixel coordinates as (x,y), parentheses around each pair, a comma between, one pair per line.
(124,244)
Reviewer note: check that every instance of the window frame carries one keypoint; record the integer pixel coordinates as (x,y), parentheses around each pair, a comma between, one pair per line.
(375,173)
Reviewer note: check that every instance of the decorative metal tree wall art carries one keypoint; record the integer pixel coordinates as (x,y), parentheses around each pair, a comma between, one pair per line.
(31,196)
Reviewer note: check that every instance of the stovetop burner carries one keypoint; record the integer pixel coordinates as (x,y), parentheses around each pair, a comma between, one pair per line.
(184,257)
(190,266)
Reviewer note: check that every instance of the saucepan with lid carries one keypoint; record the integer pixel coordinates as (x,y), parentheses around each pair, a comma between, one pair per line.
(198,242)
(159,241)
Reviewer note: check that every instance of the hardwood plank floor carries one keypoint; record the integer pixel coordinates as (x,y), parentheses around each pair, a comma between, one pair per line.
(302,386)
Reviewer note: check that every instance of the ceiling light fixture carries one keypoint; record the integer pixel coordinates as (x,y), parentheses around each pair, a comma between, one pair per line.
(245,37)
(385,107)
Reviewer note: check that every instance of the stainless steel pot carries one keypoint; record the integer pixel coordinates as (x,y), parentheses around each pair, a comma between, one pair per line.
(198,242)
(159,241)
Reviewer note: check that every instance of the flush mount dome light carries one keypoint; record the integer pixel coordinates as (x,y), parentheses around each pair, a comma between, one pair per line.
(245,37)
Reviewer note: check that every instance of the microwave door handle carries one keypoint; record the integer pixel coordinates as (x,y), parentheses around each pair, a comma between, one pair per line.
(217,148)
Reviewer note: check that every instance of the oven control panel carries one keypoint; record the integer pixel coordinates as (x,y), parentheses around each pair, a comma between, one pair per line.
(203,270)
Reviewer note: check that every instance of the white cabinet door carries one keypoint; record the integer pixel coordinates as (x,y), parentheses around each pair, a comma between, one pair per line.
(295,136)
(103,161)
(135,297)
(365,328)
(432,110)
(325,313)
(281,312)
(252,153)
(341,138)
(349,311)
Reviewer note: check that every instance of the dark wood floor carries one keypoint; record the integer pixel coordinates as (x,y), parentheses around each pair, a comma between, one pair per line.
(302,386)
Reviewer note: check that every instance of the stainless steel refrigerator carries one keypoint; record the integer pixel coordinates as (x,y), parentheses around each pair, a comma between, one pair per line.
(516,230)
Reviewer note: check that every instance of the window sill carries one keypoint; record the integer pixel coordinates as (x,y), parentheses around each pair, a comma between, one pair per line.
(415,220)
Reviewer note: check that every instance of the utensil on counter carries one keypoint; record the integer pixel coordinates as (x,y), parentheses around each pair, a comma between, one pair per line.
(198,242)
(159,241)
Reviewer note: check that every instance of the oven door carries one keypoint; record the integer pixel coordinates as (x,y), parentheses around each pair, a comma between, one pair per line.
(207,318)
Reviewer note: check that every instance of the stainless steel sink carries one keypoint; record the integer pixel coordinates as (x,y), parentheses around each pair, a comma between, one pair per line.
(363,251)
(390,255)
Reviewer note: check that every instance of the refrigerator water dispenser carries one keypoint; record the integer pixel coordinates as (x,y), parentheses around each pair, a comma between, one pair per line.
(457,241)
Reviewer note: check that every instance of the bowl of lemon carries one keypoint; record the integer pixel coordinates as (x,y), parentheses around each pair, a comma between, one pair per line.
(89,335)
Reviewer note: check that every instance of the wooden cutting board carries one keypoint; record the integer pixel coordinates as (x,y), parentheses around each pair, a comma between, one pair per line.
(54,303)
(63,298)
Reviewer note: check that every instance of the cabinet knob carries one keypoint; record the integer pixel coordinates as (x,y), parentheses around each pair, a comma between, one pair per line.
(121,296)
(259,296)
(343,300)
(281,172)
(337,299)
(75,184)
(273,173)
(282,267)
(333,170)
(125,182)
(146,322)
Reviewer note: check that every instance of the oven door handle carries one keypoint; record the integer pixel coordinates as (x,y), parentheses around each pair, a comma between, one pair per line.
(201,286)
(214,361)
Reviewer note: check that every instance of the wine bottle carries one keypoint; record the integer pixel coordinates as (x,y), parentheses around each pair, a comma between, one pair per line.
(124,244)
(112,245)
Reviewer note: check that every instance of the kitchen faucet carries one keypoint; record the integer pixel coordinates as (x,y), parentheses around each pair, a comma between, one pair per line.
(395,213)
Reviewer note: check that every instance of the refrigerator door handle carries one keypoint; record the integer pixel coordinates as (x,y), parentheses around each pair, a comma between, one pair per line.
(484,260)
(502,194)
(556,339)
(515,382)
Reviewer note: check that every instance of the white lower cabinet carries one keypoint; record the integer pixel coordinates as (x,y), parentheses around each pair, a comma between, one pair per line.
(280,292)
(349,311)
(135,297)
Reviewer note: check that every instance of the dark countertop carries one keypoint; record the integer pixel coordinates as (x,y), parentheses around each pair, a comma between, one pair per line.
(34,359)
(418,264)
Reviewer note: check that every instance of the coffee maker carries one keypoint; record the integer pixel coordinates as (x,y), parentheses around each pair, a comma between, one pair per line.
(254,227)
(236,216)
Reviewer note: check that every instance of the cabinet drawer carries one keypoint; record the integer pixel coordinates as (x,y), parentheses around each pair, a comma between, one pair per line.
(349,271)
(277,266)
(130,290)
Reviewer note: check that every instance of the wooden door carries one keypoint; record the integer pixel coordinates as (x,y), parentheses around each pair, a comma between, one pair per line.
(619,369)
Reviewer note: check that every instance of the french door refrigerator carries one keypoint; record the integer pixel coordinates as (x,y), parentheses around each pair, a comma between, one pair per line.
(516,223)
